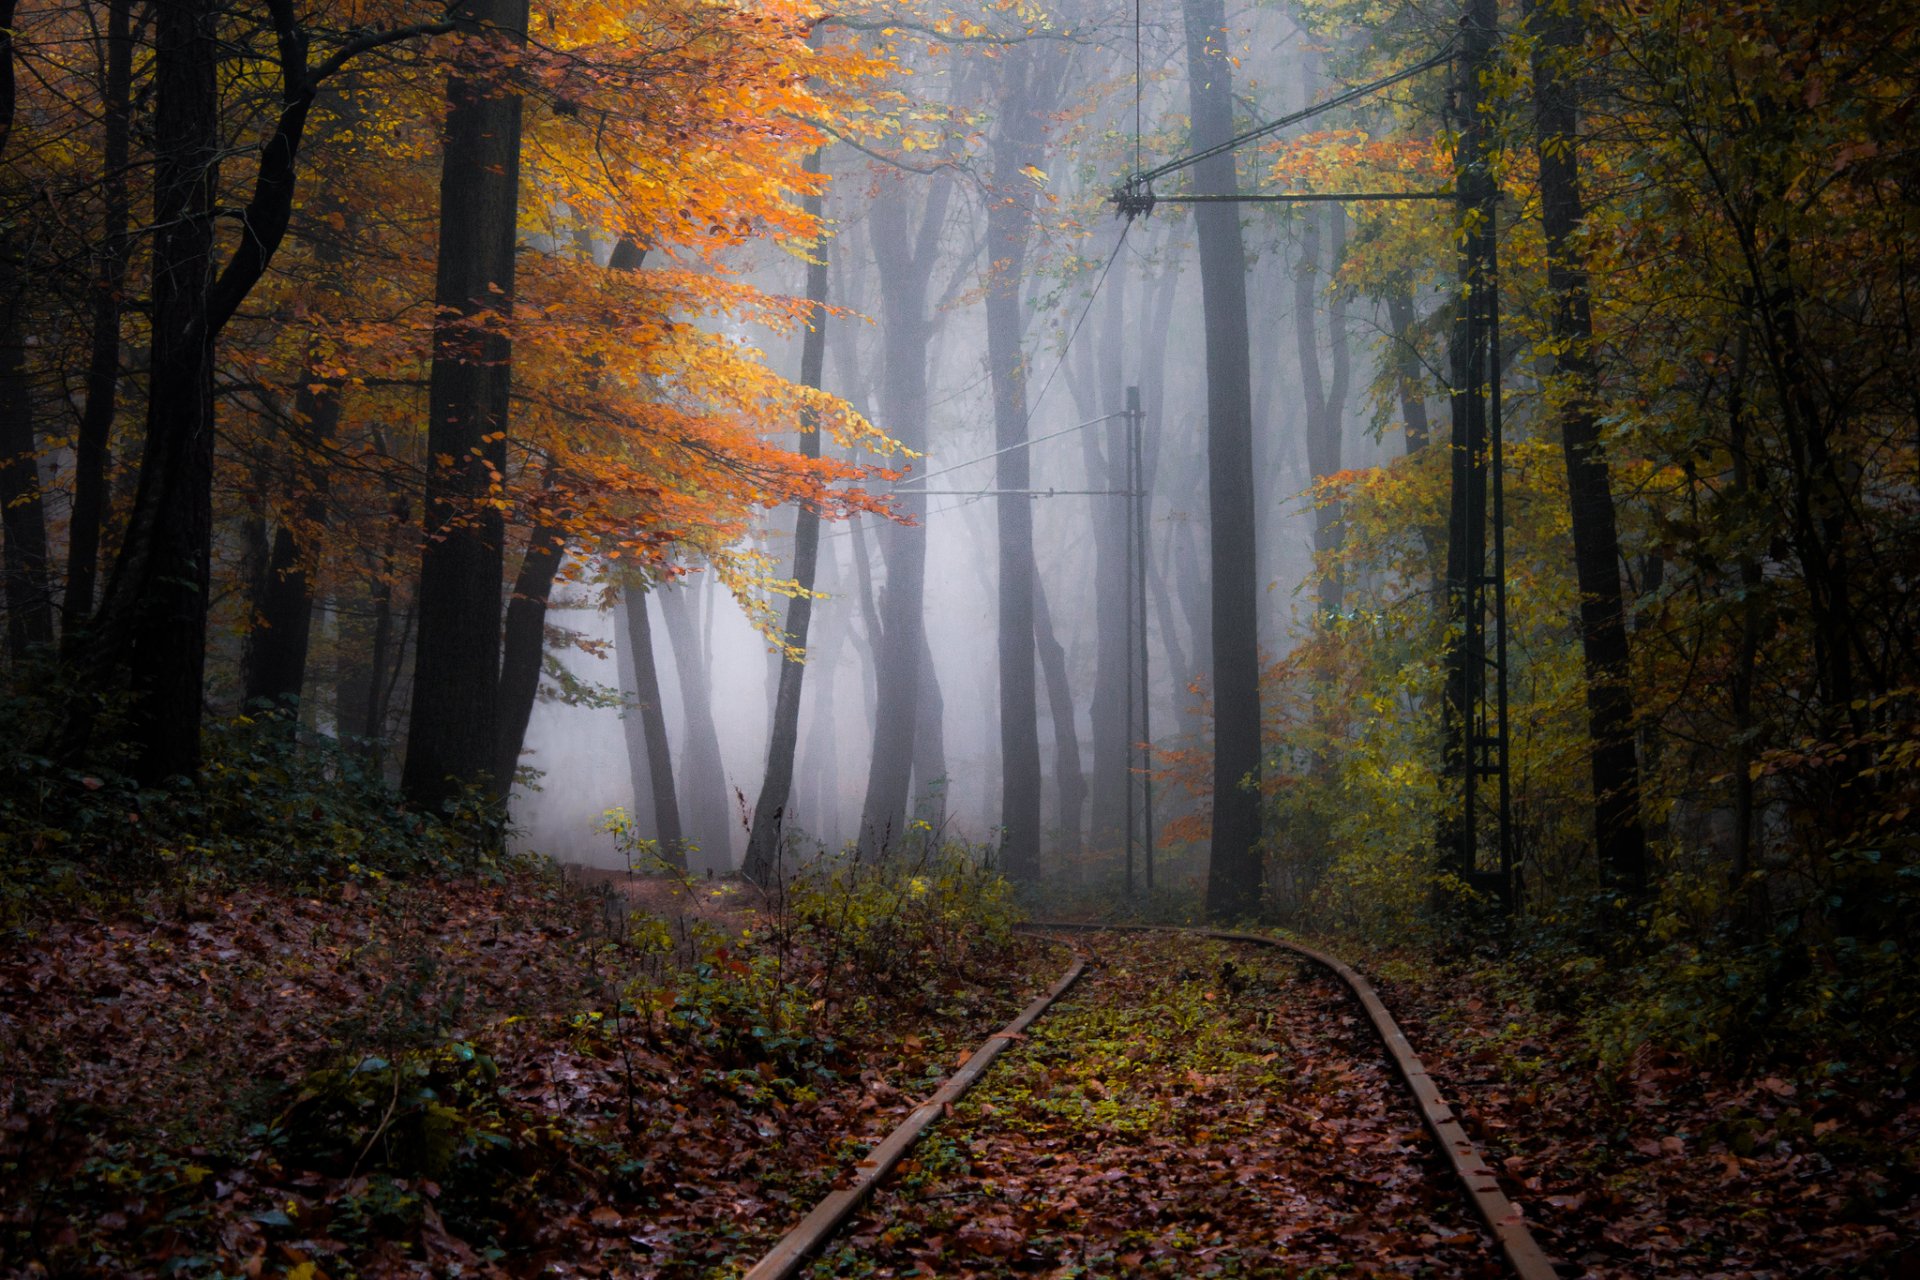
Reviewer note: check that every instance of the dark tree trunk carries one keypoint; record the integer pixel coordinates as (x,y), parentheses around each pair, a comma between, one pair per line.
(1409,379)
(905,257)
(152,620)
(708,813)
(276,660)
(150,629)
(380,656)
(930,744)
(453,731)
(1596,542)
(1070,782)
(1326,402)
(1467,359)
(103,363)
(23,516)
(23,519)
(1103,453)
(524,644)
(763,838)
(638,638)
(1233,874)
(633,729)
(1016,147)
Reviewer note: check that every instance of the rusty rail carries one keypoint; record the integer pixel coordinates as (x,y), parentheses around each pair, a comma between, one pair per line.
(1502,1216)
(787,1257)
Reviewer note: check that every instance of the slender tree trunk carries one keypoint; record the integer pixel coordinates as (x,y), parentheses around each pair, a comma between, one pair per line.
(276,660)
(453,731)
(29,597)
(930,744)
(380,655)
(703,778)
(633,730)
(1016,147)
(1233,875)
(23,520)
(1104,457)
(905,254)
(1326,401)
(103,363)
(1070,782)
(1409,380)
(763,838)
(1596,541)
(638,638)
(1467,358)
(151,626)
(524,644)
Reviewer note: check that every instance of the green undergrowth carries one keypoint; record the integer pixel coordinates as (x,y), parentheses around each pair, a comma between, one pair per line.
(272,804)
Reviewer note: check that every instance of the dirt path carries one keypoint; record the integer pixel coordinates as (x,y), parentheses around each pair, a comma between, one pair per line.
(1192,1108)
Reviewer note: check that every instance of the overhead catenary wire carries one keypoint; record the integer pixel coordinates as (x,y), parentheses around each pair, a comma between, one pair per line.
(1274,126)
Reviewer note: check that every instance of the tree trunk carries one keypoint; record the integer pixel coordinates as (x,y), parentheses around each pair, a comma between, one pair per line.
(905,256)
(151,626)
(1326,403)
(1409,379)
(524,645)
(709,824)
(453,731)
(29,597)
(1070,782)
(1596,542)
(276,660)
(103,363)
(763,838)
(930,745)
(1233,874)
(1016,147)
(1104,455)
(638,639)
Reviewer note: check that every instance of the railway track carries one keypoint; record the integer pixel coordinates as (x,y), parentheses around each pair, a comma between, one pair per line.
(1181,1102)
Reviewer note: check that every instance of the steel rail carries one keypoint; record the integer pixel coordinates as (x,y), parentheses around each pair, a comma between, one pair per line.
(787,1257)
(1501,1215)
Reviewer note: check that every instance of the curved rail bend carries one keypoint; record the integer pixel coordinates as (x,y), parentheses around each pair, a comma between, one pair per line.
(1502,1216)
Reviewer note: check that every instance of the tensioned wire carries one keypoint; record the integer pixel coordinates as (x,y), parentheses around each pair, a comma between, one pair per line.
(1033,403)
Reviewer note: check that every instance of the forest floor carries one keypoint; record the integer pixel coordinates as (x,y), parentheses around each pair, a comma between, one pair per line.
(1190,1108)
(524,1074)
(1799,1165)
(453,1077)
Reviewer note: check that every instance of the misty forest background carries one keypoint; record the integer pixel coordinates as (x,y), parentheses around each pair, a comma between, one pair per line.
(692,440)
(478,401)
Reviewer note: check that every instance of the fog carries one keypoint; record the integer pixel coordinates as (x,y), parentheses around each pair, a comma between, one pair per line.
(1090,331)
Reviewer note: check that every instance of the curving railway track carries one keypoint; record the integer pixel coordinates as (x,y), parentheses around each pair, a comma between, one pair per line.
(1180,1103)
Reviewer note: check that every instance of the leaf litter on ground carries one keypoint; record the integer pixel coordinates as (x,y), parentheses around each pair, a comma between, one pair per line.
(1191,1108)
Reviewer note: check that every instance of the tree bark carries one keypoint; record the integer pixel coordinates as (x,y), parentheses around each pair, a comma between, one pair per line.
(763,838)
(638,638)
(1070,782)
(277,642)
(103,362)
(930,744)
(1234,864)
(708,818)
(905,255)
(1326,401)
(524,644)
(1621,841)
(453,731)
(1016,147)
